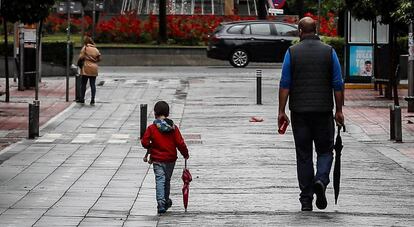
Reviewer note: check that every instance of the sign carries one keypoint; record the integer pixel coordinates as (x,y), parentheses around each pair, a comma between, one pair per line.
(275,11)
(29,35)
(75,7)
(361,61)
(99,6)
(279,4)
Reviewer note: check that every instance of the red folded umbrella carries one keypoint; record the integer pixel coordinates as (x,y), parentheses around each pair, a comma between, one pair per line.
(187,178)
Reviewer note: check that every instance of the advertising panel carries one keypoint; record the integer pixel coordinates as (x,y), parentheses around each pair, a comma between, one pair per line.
(361,61)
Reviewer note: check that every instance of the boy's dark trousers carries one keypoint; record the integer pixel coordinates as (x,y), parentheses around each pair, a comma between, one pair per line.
(309,128)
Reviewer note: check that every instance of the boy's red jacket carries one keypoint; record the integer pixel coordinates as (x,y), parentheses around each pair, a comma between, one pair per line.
(163,145)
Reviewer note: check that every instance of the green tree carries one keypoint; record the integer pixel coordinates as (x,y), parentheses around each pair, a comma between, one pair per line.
(405,11)
(25,11)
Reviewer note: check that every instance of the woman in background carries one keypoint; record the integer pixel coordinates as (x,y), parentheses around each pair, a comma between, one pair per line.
(91,56)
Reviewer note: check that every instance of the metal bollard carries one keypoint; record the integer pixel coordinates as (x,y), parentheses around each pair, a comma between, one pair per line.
(392,120)
(143,125)
(398,125)
(259,87)
(78,90)
(34,119)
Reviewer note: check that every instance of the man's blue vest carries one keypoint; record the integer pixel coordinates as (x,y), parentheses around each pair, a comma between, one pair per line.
(311,70)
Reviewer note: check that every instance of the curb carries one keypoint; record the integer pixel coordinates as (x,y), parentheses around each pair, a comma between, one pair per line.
(369,86)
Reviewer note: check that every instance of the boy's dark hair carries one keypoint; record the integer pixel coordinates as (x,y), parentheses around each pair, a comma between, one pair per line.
(161,108)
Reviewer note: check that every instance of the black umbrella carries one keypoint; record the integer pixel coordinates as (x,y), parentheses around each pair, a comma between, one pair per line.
(337,168)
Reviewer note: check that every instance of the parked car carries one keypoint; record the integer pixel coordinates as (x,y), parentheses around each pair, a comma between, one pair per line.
(242,42)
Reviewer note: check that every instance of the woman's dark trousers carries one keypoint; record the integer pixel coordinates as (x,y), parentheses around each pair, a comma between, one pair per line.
(313,128)
(92,80)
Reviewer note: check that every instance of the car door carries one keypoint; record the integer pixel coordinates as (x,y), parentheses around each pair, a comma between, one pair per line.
(285,36)
(260,40)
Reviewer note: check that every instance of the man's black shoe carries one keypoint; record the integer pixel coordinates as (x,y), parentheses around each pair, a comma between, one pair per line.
(168,204)
(319,189)
(307,207)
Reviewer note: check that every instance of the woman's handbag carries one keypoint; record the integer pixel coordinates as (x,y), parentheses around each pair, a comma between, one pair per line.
(81,62)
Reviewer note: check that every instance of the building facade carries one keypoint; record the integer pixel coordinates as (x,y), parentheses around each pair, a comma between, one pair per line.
(188,7)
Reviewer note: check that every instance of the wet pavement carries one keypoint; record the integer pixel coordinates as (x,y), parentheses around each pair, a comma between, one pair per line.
(86,169)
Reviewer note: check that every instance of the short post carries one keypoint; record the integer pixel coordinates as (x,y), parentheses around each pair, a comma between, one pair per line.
(259,86)
(398,126)
(143,125)
(78,90)
(392,122)
(34,119)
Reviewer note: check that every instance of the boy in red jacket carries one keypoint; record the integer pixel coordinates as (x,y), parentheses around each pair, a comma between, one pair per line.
(162,138)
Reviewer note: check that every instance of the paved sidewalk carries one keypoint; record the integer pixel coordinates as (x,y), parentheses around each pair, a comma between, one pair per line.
(14,114)
(86,169)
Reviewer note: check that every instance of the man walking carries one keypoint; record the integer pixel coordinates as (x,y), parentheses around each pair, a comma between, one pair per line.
(311,76)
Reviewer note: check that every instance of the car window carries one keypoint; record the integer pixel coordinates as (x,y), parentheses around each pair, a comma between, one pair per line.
(260,29)
(286,30)
(246,30)
(236,29)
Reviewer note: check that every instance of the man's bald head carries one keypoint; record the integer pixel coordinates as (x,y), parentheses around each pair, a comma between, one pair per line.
(307,25)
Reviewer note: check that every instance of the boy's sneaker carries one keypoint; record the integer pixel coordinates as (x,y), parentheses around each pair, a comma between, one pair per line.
(162,210)
(168,204)
(161,207)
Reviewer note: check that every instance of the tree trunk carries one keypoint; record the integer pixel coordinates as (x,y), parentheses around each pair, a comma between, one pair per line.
(261,10)
(299,7)
(162,22)
(6,60)
(375,62)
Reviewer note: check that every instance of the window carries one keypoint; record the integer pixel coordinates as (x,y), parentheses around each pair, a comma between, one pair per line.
(286,30)
(235,29)
(260,29)
(246,31)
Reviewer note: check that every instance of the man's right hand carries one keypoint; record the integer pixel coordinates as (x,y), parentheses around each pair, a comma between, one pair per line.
(281,118)
(339,118)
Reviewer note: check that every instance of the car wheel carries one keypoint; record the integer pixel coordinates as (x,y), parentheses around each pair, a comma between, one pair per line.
(239,58)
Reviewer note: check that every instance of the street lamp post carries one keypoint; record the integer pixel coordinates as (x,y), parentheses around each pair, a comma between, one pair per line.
(410,68)
(21,53)
(67,50)
(93,19)
(319,17)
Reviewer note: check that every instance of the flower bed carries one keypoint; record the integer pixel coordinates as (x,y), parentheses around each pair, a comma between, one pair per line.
(128,28)
(327,24)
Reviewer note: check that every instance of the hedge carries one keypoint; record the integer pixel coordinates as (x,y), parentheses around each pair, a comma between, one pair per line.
(52,52)
(338,43)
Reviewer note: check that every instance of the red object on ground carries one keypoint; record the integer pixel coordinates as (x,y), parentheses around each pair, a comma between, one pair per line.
(256,119)
(283,127)
(187,178)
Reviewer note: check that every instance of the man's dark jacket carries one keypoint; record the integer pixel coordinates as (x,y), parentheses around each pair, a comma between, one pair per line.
(311,67)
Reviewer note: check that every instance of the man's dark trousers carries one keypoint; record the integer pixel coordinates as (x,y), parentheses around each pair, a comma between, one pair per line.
(309,128)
